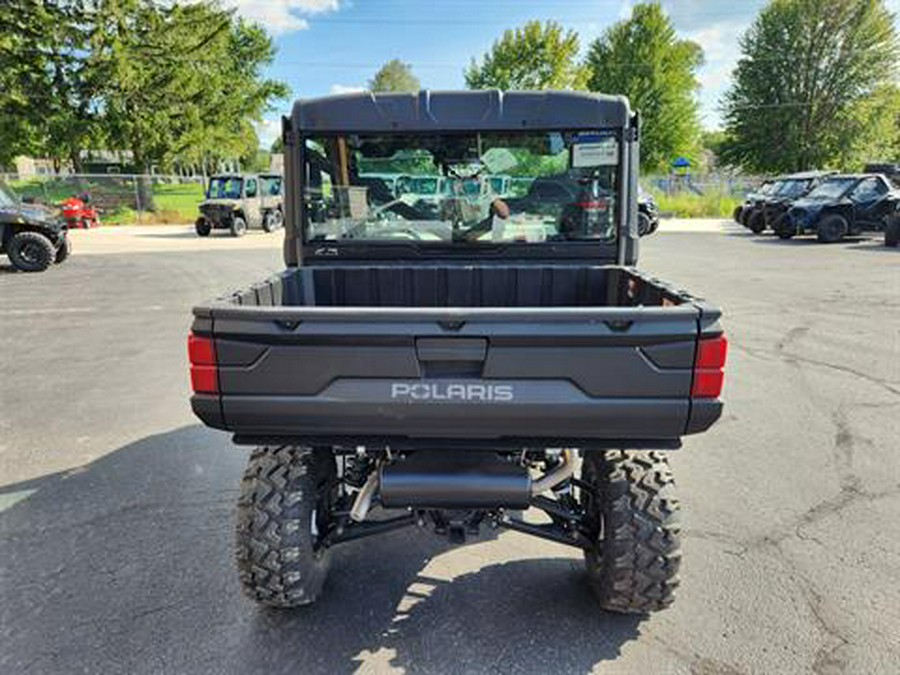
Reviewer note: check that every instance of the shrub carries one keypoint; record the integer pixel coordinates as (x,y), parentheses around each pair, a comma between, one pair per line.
(691,205)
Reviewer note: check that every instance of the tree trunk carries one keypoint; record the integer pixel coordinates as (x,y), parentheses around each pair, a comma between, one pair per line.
(144,191)
(75,159)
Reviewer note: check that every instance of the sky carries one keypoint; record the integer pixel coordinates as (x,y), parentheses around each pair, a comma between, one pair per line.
(334,46)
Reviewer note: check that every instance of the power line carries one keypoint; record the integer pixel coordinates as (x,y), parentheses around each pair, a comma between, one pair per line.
(432,22)
(438,65)
(786,104)
(721,10)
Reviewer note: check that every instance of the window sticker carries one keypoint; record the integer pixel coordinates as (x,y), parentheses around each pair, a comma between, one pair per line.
(595,151)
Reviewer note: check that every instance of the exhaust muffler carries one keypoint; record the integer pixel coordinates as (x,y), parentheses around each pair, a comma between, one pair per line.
(474,481)
(477,482)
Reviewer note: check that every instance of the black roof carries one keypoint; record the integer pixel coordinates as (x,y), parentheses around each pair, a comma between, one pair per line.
(806,175)
(857,176)
(461,111)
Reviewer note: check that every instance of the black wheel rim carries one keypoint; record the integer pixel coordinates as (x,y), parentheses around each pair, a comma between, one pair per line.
(31,253)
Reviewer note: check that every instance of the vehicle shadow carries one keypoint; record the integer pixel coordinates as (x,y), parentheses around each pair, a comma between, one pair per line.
(190,234)
(772,240)
(125,565)
(187,233)
(873,246)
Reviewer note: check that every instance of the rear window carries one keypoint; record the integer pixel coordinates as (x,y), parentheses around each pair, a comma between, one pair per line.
(527,187)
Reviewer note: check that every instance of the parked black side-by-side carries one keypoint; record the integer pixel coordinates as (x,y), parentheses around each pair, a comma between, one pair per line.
(826,204)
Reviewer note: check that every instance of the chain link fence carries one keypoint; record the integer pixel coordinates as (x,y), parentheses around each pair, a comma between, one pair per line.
(699,195)
(122,199)
(127,199)
(702,184)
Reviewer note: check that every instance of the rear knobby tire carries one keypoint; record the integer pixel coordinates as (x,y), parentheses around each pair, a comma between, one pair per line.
(645,225)
(633,567)
(831,229)
(202,227)
(757,222)
(282,509)
(892,232)
(783,227)
(238,226)
(272,220)
(64,251)
(30,251)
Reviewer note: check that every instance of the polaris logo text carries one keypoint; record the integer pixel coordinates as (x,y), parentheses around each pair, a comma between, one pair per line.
(452,392)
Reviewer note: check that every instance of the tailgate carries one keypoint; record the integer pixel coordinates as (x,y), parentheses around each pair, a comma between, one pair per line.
(358,374)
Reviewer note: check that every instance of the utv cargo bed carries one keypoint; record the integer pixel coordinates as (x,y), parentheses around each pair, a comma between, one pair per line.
(399,354)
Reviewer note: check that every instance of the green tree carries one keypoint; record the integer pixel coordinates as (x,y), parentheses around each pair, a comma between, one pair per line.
(535,56)
(874,126)
(261,162)
(710,148)
(643,58)
(47,97)
(169,82)
(395,76)
(183,81)
(803,88)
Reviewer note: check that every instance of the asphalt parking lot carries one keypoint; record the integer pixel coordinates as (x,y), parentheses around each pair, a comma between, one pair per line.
(116,505)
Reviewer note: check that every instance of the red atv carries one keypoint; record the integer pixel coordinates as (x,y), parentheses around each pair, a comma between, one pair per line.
(78,213)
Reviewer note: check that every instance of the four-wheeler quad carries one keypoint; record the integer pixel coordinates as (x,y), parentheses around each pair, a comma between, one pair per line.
(446,368)
(32,236)
(237,202)
(842,205)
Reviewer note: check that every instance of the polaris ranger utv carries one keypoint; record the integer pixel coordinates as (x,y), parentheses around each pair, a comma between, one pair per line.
(237,202)
(34,237)
(446,368)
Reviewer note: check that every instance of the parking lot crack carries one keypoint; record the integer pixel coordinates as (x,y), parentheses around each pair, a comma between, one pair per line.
(884,384)
(160,608)
(792,335)
(778,353)
(732,545)
(828,658)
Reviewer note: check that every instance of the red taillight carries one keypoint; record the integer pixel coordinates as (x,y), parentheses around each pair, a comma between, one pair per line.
(201,350)
(601,205)
(708,367)
(711,352)
(707,383)
(204,380)
(202,355)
